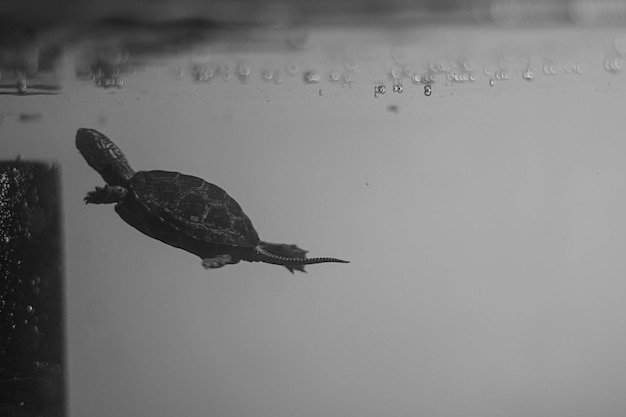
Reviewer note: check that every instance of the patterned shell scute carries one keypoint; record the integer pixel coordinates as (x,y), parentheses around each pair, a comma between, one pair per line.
(197,208)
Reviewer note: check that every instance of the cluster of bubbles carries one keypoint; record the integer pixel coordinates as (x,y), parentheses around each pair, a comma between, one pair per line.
(424,79)
(109,82)
(528,74)
(499,74)
(548,69)
(613,64)
(102,74)
(455,77)
(34,284)
(380,89)
(552,68)
(347,65)
(206,73)
(457,71)
(344,79)
(311,77)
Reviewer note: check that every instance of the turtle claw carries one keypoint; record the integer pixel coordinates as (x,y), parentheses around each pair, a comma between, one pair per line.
(92,196)
(217,261)
(292,268)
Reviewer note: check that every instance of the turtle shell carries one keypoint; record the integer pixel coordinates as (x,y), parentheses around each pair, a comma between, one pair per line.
(195,207)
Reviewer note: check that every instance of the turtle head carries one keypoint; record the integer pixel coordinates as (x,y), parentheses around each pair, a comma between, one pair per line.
(104,156)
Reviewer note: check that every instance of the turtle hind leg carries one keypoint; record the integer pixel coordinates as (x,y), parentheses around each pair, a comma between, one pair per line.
(288,251)
(218,261)
(106,195)
(284,249)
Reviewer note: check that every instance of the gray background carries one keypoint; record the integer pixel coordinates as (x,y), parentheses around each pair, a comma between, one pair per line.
(485,228)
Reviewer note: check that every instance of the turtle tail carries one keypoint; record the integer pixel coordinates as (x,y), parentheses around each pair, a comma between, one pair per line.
(290,256)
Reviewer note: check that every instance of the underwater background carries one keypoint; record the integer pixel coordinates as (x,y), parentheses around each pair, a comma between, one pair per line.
(466,157)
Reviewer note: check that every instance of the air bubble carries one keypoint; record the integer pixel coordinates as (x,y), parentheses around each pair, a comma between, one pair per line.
(311,77)
(292,69)
(350,65)
(55,368)
(395,73)
(333,76)
(347,79)
(267,75)
(243,72)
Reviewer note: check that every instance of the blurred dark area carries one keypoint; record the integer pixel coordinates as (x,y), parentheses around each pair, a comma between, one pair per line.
(43,15)
(32,308)
(509,12)
(235,11)
(34,34)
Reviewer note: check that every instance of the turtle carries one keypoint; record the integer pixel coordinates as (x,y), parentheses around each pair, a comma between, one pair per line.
(182,211)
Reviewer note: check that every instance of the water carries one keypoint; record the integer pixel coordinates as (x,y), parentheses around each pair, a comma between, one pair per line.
(478,194)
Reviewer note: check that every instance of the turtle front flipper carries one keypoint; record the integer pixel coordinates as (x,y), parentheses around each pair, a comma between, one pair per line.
(106,195)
